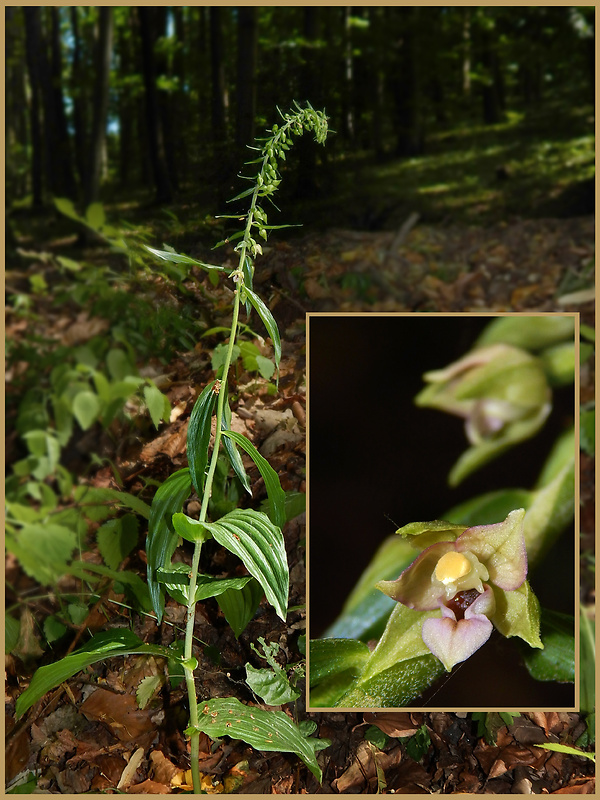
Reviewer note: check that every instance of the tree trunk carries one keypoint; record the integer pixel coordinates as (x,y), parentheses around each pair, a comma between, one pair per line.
(166,101)
(16,105)
(247,38)
(79,115)
(490,90)
(61,153)
(306,185)
(162,181)
(466,51)
(218,96)
(101,90)
(33,46)
(347,95)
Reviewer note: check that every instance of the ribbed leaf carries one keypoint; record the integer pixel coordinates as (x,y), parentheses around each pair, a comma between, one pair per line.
(103,645)
(263,730)
(252,537)
(234,457)
(198,436)
(268,321)
(162,539)
(270,477)
(239,605)
(176,579)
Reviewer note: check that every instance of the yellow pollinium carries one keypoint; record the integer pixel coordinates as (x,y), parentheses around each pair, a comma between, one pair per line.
(451,567)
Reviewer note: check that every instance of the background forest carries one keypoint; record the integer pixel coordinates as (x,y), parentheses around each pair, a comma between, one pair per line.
(162,101)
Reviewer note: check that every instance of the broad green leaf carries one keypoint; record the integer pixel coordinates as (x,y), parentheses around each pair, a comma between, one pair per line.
(252,537)
(43,550)
(178,258)
(556,662)
(116,539)
(334,665)
(118,364)
(270,477)
(66,207)
(239,605)
(219,355)
(94,216)
(120,642)
(271,731)
(158,405)
(190,529)
(86,409)
(162,539)
(265,367)
(268,321)
(272,686)
(54,629)
(198,436)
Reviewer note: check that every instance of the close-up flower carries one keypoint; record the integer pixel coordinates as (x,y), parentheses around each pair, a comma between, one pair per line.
(502,394)
(476,577)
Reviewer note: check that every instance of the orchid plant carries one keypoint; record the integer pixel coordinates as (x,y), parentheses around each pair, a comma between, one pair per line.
(255,537)
(456,582)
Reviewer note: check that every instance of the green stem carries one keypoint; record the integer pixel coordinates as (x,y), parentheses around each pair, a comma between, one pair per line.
(191,609)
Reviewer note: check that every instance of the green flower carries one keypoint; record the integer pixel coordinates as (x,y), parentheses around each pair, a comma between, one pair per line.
(476,577)
(502,394)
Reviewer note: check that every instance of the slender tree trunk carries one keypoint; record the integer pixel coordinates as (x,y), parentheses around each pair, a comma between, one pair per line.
(62,144)
(218,96)
(32,46)
(490,92)
(305,148)
(16,105)
(348,112)
(246,75)
(466,51)
(101,90)
(162,181)
(79,115)
(166,102)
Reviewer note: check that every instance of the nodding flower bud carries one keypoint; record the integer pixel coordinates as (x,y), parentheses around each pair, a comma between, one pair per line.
(469,578)
(502,394)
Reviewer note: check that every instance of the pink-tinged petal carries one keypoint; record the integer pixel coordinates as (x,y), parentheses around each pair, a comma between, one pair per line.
(452,641)
(485,604)
(501,547)
(415,588)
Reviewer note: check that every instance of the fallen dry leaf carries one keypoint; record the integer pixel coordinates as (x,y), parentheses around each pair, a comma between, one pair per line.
(395,724)
(120,712)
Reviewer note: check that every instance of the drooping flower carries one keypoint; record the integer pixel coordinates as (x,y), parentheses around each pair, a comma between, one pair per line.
(476,577)
(502,394)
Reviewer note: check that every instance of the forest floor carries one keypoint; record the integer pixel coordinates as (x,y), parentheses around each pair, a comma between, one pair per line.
(83,736)
(417,236)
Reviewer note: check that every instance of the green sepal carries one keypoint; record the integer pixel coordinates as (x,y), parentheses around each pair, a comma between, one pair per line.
(334,666)
(430,532)
(518,614)
(528,333)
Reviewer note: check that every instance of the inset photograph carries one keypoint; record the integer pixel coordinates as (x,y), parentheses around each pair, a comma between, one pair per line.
(442,550)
